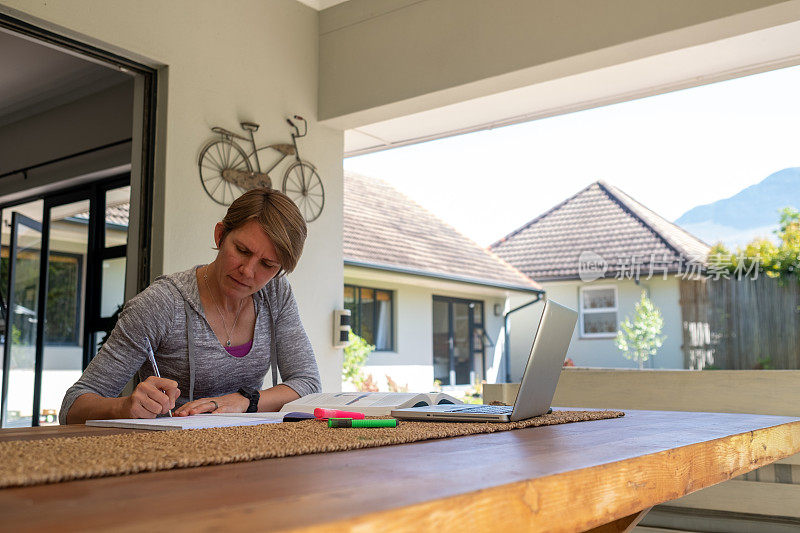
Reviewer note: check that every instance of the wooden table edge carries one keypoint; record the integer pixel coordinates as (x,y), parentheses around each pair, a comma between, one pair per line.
(558,502)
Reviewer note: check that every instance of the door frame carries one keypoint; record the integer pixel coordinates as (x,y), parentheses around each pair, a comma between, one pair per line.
(144,147)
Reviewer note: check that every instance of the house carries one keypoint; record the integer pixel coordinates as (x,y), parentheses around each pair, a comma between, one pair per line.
(596,252)
(428,298)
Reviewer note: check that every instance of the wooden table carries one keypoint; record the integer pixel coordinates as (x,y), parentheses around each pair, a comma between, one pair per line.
(570,477)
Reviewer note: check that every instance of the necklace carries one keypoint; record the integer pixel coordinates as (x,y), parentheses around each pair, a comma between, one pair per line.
(224,325)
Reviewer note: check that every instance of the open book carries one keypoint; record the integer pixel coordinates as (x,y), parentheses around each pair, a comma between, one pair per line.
(369,403)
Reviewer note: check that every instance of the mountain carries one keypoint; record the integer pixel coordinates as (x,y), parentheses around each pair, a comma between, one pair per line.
(750,213)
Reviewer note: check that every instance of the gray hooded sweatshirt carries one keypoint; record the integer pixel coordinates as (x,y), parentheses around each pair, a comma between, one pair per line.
(170,316)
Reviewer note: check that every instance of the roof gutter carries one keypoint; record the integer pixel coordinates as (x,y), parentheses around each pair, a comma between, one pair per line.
(642,277)
(448,277)
(506,345)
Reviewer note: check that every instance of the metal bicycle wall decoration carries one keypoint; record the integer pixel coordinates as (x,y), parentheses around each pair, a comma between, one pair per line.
(226,170)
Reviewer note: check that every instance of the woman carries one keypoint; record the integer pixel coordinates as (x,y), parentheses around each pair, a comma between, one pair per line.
(215,329)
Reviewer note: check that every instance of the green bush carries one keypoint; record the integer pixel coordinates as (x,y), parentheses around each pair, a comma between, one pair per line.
(355,357)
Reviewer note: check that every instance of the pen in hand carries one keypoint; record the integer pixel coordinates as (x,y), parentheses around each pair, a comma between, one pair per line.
(152,357)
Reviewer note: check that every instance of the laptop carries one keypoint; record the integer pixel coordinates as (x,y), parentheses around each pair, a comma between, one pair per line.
(538,384)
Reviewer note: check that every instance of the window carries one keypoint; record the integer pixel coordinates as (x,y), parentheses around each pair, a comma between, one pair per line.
(64,280)
(63,295)
(598,311)
(372,315)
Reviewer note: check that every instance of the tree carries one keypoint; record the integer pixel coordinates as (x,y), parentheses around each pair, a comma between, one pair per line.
(641,338)
(781,261)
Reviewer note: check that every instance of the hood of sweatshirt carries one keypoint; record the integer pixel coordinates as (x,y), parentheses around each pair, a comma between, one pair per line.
(185,283)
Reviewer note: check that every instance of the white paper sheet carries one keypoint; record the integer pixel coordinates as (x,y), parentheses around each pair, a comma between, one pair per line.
(202,421)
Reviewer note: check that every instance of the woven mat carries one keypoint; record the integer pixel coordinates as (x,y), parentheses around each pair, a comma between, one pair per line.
(33,462)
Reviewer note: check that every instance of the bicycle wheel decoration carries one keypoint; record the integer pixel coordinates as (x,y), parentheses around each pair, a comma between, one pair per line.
(302,184)
(223,165)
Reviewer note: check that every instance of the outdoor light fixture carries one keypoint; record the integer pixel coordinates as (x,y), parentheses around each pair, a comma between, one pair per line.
(341,328)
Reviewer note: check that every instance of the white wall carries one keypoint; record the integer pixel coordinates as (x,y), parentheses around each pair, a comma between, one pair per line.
(254,61)
(113,286)
(601,352)
(54,385)
(412,361)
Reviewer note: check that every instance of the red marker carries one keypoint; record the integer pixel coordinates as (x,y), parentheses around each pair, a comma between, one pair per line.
(324,414)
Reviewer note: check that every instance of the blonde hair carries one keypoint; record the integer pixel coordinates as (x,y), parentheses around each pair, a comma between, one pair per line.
(279,218)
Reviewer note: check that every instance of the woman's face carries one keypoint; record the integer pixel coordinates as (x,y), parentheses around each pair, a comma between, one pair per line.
(246,260)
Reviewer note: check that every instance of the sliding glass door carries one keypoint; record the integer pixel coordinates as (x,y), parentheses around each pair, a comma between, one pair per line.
(458,348)
(62,278)
(66,241)
(22,269)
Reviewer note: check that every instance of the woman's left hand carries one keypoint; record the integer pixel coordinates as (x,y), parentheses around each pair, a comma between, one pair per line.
(230,403)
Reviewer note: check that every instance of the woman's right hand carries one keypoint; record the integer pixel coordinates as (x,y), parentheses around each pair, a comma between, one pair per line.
(152,397)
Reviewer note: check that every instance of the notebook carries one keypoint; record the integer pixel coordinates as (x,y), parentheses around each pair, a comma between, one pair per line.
(539,380)
(201,421)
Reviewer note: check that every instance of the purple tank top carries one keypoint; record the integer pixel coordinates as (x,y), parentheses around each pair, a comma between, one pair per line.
(239,351)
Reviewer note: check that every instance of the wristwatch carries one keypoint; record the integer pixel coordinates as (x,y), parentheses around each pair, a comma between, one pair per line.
(253,395)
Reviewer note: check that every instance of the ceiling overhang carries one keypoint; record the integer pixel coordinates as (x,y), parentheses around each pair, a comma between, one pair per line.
(749,53)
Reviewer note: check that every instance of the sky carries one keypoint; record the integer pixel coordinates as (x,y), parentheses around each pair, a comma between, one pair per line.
(670,152)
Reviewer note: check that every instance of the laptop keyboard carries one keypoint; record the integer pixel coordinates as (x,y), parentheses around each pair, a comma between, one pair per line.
(486,409)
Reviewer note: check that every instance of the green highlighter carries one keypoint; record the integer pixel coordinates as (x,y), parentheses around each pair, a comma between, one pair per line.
(355,423)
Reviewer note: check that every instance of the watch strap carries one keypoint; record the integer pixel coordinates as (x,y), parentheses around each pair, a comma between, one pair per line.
(253,396)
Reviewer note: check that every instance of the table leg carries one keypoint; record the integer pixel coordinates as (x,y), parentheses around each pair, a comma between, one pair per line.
(621,525)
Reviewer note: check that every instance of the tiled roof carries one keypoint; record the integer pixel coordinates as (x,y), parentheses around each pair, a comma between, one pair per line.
(605,221)
(118,214)
(115,214)
(385,229)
